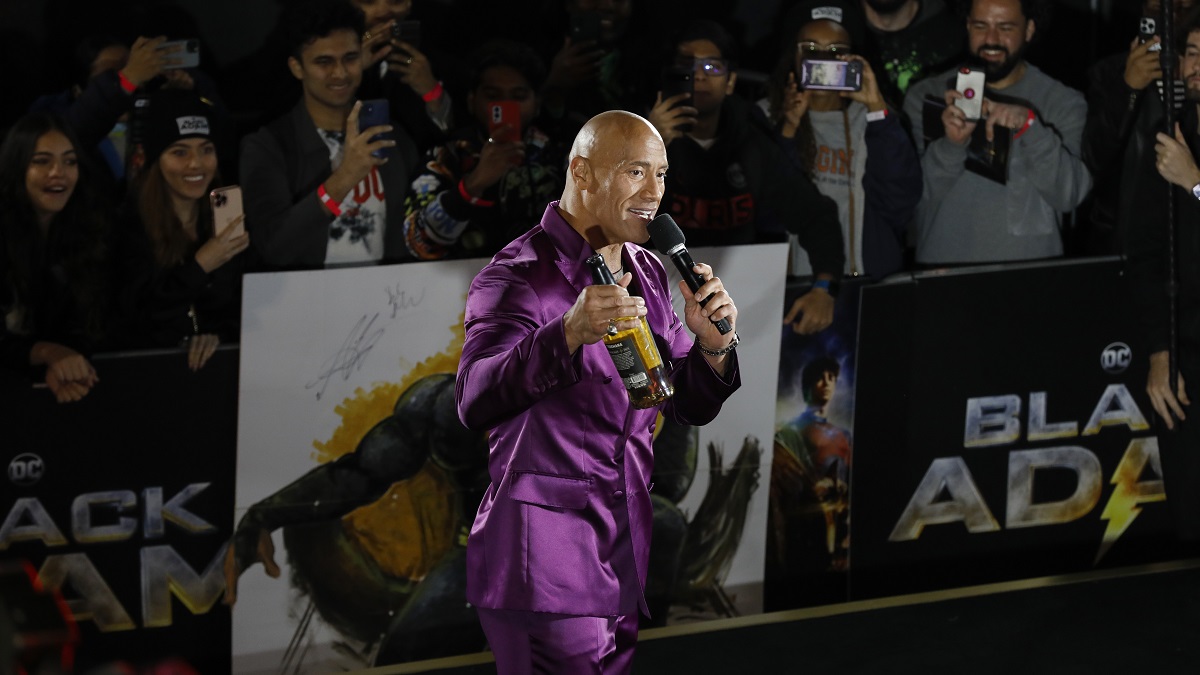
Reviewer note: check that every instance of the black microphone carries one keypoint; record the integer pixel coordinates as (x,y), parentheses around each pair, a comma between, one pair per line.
(669,239)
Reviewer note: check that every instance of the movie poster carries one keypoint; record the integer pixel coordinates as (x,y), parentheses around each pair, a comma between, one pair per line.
(1002,430)
(808,523)
(355,478)
(123,502)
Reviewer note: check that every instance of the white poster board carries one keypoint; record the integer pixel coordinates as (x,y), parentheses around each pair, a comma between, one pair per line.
(325,354)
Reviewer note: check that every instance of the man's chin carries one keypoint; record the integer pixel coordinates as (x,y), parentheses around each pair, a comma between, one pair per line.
(994,72)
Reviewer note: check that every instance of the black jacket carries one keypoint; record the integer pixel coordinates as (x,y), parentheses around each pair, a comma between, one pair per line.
(163,306)
(1148,254)
(1120,131)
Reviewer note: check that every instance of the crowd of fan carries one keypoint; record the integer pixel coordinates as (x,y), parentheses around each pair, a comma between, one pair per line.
(888,177)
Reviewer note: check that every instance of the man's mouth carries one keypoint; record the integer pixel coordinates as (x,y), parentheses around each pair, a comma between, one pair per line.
(993,53)
(644,214)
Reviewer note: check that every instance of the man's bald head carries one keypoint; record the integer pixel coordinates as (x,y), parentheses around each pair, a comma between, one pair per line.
(608,131)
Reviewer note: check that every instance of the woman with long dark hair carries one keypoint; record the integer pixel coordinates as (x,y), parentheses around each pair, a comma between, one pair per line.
(54,274)
(183,283)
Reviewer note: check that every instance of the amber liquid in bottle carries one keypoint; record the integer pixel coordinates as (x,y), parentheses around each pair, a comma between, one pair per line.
(634,352)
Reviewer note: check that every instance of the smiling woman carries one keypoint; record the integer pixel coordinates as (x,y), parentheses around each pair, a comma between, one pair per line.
(181,284)
(53,259)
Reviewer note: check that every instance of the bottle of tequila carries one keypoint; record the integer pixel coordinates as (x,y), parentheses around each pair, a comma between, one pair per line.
(634,352)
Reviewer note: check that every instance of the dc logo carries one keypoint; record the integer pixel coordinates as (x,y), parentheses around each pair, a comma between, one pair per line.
(26,469)
(1116,358)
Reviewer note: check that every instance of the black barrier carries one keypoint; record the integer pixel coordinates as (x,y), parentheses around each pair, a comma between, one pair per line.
(125,500)
(1002,429)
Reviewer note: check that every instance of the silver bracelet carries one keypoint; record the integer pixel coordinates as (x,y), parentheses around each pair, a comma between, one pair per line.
(720,352)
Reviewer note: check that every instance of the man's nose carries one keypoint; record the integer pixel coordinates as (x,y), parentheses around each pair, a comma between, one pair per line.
(654,188)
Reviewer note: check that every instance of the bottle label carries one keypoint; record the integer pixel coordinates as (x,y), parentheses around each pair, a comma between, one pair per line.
(624,354)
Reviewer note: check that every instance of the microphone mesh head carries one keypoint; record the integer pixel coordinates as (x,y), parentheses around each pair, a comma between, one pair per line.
(665,234)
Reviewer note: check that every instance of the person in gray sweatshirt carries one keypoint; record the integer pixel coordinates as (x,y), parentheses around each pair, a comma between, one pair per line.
(965,216)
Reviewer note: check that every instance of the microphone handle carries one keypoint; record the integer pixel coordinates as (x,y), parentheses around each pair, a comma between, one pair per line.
(683,261)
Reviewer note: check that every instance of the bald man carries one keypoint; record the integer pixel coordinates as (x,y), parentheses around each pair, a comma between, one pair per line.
(557,557)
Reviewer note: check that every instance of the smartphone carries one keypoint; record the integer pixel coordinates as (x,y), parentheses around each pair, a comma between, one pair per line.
(501,113)
(180,54)
(586,26)
(970,84)
(1147,29)
(374,112)
(675,80)
(227,207)
(408,32)
(831,75)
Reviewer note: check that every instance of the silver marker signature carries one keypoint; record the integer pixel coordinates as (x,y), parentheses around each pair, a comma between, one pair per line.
(400,299)
(350,355)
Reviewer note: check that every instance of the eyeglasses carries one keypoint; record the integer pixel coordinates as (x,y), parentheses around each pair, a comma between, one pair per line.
(710,67)
(809,48)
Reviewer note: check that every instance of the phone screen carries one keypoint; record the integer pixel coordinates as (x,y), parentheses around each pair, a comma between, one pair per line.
(830,74)
(375,112)
(180,54)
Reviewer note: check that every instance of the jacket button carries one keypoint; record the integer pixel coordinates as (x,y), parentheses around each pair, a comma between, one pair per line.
(619,493)
(608,379)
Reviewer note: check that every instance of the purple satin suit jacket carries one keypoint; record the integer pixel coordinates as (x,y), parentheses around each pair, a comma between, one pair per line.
(565,525)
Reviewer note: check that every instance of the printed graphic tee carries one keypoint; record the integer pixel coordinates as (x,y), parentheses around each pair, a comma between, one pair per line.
(356,236)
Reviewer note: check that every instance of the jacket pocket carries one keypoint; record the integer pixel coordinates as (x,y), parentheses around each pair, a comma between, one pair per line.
(545,489)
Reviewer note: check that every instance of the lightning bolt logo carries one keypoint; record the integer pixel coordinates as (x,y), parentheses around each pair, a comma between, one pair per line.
(1124,505)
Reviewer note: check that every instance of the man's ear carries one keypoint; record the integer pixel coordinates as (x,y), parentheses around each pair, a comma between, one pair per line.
(581,172)
(296,68)
(729,85)
(1030,29)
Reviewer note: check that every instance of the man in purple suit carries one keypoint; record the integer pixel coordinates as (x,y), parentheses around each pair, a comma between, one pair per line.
(557,557)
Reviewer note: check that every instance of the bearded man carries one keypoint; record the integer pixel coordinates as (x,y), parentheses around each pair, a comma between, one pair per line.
(1014,214)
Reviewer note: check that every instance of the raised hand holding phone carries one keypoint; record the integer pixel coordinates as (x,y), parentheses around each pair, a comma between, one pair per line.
(375,113)
(502,150)
(229,230)
(970,85)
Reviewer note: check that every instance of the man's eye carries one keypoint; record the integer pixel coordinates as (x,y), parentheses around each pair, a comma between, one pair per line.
(637,173)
